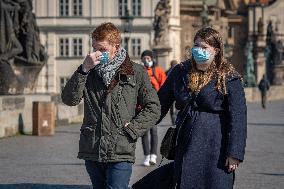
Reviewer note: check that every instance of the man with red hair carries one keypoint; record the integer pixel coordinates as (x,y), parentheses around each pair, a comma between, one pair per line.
(111,85)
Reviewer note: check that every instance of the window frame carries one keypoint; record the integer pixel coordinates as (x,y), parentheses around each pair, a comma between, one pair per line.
(136,47)
(122,7)
(78,7)
(64,50)
(64,6)
(136,8)
(70,47)
(77,44)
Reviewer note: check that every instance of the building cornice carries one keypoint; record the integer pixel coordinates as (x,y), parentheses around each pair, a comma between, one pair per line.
(88,17)
(87,28)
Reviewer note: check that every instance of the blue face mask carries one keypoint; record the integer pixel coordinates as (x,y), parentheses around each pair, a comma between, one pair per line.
(200,55)
(104,58)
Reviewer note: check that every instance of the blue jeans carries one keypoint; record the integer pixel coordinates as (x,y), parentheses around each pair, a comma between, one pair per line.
(109,175)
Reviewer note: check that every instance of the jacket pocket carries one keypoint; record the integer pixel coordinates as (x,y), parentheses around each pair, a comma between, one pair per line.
(87,139)
(124,145)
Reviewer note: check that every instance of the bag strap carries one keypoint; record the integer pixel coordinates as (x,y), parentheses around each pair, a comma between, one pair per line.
(184,114)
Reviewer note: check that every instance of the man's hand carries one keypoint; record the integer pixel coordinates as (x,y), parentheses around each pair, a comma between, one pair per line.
(91,60)
(232,163)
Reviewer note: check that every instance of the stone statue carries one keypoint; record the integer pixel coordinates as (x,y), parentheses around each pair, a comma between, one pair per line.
(270,50)
(260,26)
(30,36)
(161,22)
(205,15)
(279,52)
(9,44)
(269,31)
(249,70)
(21,54)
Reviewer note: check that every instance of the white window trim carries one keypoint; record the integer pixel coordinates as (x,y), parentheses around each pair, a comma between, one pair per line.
(129,6)
(71,4)
(138,4)
(79,6)
(136,47)
(71,46)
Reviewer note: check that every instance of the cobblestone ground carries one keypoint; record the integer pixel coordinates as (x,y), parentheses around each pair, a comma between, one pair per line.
(30,162)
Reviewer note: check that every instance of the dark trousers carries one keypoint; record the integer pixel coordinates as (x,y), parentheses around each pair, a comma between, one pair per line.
(109,175)
(153,141)
(263,100)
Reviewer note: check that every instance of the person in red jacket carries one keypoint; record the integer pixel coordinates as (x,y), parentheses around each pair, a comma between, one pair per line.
(157,77)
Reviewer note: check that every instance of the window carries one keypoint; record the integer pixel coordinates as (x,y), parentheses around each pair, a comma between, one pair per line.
(125,45)
(136,47)
(122,7)
(77,7)
(63,81)
(70,47)
(64,7)
(77,47)
(136,7)
(64,47)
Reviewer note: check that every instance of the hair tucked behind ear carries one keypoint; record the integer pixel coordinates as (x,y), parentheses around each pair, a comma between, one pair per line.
(219,68)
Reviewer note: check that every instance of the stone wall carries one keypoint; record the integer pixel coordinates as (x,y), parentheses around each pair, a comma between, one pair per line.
(16,113)
(16,110)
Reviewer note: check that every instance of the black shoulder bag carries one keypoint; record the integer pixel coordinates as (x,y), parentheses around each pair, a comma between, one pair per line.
(169,141)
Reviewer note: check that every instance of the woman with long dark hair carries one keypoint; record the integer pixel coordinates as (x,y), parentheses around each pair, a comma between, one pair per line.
(211,142)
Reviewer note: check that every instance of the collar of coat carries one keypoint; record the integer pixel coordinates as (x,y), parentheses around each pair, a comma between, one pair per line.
(125,69)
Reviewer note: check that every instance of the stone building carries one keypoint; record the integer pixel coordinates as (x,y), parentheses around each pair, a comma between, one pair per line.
(66,25)
(226,16)
(266,29)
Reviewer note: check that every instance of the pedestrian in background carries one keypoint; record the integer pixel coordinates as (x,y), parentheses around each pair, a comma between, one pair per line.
(212,140)
(157,78)
(173,110)
(172,64)
(263,86)
(111,85)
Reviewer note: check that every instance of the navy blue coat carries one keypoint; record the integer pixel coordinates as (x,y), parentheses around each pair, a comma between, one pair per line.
(216,128)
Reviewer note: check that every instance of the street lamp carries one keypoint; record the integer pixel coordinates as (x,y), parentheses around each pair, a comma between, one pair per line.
(127,23)
(204,15)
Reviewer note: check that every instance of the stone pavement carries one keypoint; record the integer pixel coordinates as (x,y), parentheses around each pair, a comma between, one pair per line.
(30,162)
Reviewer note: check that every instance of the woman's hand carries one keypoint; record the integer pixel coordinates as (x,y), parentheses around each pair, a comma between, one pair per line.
(232,163)
(91,60)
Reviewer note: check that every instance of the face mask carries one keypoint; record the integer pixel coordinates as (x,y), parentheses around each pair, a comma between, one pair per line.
(104,58)
(201,56)
(148,64)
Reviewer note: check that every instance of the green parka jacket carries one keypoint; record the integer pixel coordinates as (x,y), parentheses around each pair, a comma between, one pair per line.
(103,136)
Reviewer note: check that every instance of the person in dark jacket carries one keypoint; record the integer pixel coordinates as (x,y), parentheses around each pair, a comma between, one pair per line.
(111,85)
(212,140)
(263,86)
(173,64)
